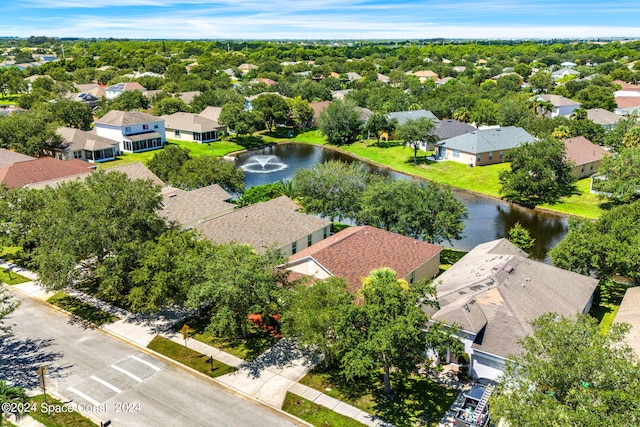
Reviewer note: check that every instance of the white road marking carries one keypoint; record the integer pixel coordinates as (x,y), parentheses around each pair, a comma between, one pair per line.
(151,365)
(84,396)
(127,373)
(106,384)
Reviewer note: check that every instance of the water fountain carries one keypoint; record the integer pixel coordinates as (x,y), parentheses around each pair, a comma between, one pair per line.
(263,163)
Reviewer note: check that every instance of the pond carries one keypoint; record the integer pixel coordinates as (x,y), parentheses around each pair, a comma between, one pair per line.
(489,219)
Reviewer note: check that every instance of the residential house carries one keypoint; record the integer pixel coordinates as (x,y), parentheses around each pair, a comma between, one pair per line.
(83,145)
(133,130)
(568,64)
(23,173)
(187,97)
(245,68)
(211,113)
(424,75)
(627,99)
(119,88)
(585,155)
(355,251)
(192,127)
(492,295)
(89,93)
(629,313)
(483,146)
(276,223)
(564,72)
(10,157)
(31,79)
(450,128)
(352,76)
(268,82)
(444,81)
(403,116)
(561,106)
(604,118)
(318,107)
(382,78)
(188,208)
(459,69)
(340,94)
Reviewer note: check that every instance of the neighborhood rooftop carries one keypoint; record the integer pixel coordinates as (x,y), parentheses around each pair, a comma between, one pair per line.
(484,140)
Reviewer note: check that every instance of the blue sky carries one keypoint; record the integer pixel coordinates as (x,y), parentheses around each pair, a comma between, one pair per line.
(320,19)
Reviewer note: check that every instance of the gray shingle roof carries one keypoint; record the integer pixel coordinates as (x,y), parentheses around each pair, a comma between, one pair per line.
(190,122)
(485,140)
(10,157)
(124,118)
(629,313)
(450,128)
(403,116)
(262,224)
(190,207)
(495,291)
(76,139)
(558,100)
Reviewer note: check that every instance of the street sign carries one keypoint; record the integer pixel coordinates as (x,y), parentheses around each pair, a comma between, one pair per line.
(185,332)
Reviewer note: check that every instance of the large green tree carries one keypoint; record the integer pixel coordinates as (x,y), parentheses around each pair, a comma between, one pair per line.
(570,374)
(29,133)
(607,247)
(12,396)
(619,176)
(340,122)
(412,208)
(238,282)
(208,170)
(273,108)
(331,189)
(416,132)
(378,123)
(538,173)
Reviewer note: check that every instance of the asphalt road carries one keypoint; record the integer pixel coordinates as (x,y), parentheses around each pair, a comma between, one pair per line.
(116,381)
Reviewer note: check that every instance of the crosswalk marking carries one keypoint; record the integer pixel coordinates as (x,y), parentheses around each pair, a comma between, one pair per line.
(151,365)
(84,396)
(106,384)
(127,373)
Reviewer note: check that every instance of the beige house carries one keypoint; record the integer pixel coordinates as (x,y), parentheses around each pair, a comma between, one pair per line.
(494,292)
(83,145)
(424,75)
(355,251)
(276,223)
(483,146)
(191,127)
(585,155)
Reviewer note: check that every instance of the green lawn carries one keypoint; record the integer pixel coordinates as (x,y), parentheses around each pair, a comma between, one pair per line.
(449,256)
(317,415)
(11,278)
(9,100)
(81,309)
(191,358)
(58,419)
(610,296)
(257,342)
(417,400)
(482,180)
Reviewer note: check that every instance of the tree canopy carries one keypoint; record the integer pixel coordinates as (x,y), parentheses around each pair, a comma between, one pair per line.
(570,374)
(618,177)
(538,173)
(340,122)
(415,132)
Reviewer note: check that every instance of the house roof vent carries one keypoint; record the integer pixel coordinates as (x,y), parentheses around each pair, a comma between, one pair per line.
(508,269)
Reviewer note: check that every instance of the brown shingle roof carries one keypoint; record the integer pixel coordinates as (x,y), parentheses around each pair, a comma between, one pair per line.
(581,151)
(603,117)
(354,252)
(43,169)
(495,291)
(627,101)
(190,122)
(262,224)
(629,313)
(212,113)
(76,139)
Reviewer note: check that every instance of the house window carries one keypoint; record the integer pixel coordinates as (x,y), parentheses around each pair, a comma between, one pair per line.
(155,126)
(490,155)
(591,167)
(294,248)
(309,240)
(176,133)
(325,232)
(456,153)
(77,155)
(479,157)
(412,277)
(145,127)
(501,154)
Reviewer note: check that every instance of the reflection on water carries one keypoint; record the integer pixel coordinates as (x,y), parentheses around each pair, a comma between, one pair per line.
(489,219)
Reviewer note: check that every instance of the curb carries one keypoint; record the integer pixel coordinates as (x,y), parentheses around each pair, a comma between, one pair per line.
(172,362)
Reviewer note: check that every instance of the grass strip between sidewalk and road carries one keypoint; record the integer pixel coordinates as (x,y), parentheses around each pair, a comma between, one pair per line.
(81,309)
(11,278)
(315,414)
(188,357)
(53,418)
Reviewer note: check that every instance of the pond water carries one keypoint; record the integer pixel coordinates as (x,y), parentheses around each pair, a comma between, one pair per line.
(489,219)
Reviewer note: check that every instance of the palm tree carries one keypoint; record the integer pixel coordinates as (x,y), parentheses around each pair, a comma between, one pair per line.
(579,114)
(11,395)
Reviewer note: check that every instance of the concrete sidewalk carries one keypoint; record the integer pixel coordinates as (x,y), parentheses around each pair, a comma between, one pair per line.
(267,379)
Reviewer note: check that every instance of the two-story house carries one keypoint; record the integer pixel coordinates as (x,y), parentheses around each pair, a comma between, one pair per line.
(133,130)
